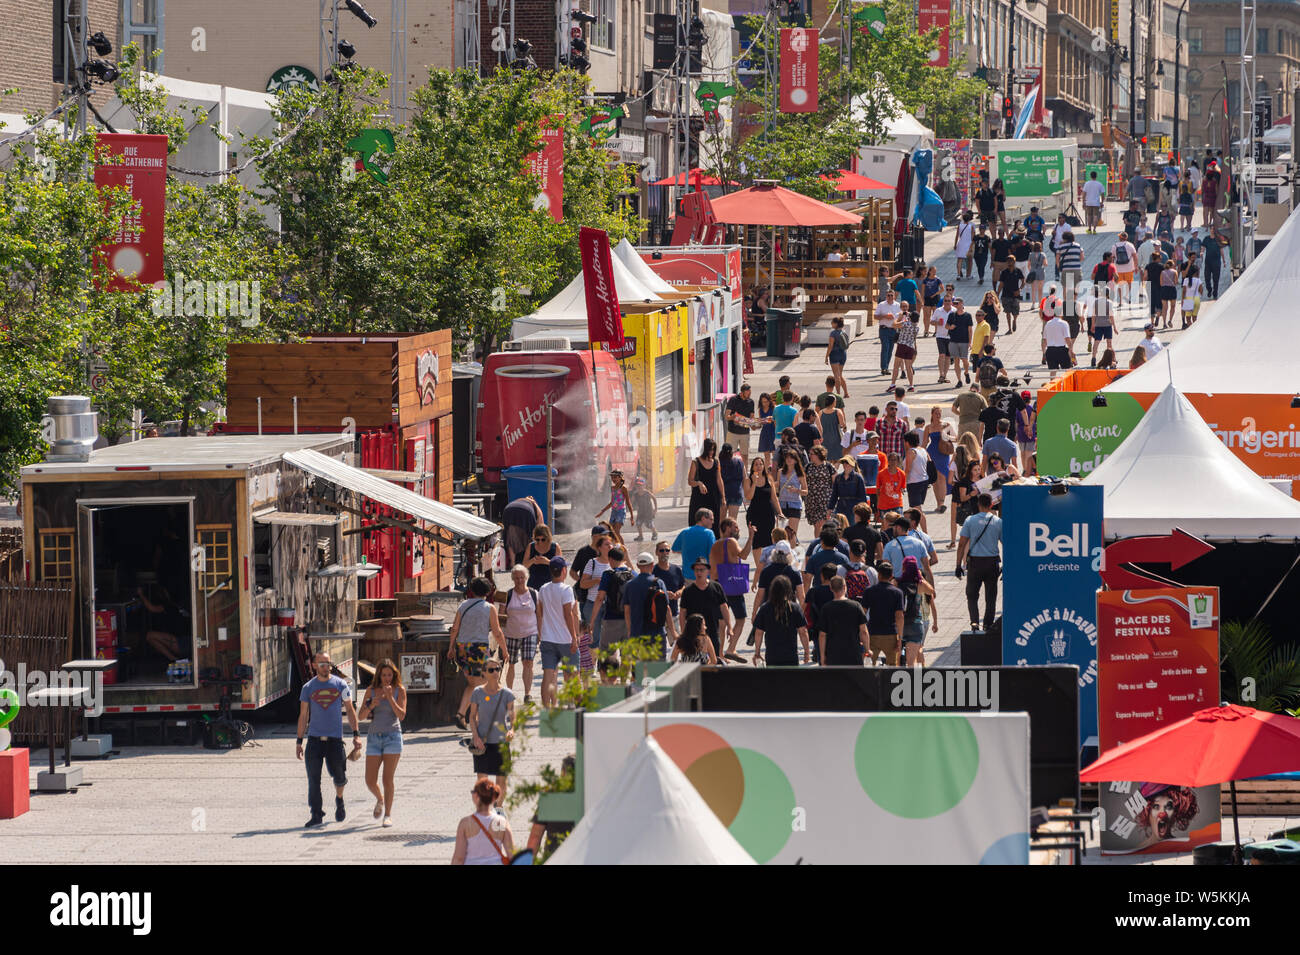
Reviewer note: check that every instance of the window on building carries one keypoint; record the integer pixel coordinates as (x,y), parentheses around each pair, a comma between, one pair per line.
(142,22)
(602,31)
(1195,39)
(56,554)
(657,6)
(215,541)
(1261,41)
(1169,23)
(1232,39)
(1194,104)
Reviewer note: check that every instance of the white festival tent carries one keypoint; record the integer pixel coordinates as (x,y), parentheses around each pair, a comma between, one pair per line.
(566,313)
(650,815)
(1172,471)
(626,253)
(1240,343)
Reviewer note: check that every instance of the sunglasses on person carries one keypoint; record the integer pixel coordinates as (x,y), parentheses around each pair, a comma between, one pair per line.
(493,669)
(663,550)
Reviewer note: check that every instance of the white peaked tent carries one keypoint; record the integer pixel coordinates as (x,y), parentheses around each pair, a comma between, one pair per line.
(1244,342)
(566,313)
(625,253)
(1173,472)
(650,815)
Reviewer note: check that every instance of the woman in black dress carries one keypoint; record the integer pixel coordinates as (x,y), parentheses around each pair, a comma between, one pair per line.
(760,494)
(705,479)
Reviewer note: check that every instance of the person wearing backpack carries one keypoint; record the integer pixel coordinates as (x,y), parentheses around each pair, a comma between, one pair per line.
(916,592)
(610,625)
(860,576)
(1125,262)
(645,605)
(521,628)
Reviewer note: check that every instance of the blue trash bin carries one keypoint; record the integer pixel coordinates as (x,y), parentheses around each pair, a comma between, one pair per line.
(529,480)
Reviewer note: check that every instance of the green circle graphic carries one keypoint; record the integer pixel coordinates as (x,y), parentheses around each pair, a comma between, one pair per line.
(764,822)
(916,765)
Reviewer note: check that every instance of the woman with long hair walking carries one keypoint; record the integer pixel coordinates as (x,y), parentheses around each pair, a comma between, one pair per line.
(384,705)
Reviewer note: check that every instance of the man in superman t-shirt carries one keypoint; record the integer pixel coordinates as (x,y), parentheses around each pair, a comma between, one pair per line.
(323,701)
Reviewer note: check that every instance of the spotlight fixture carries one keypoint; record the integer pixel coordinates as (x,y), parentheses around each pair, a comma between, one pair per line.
(105,72)
(523,55)
(695,38)
(100,44)
(582,16)
(360,12)
(579,45)
(347,50)
(1295,402)
(1099,400)
(578,63)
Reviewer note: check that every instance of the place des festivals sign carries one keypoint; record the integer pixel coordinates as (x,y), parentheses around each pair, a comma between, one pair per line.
(1158,659)
(1051,561)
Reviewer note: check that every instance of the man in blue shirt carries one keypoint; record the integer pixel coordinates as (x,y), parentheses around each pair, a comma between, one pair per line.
(827,553)
(674,580)
(906,286)
(978,552)
(635,593)
(323,701)
(903,545)
(786,413)
(1001,445)
(697,540)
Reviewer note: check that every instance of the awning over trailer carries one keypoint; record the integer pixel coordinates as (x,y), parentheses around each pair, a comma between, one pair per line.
(451,519)
(299,520)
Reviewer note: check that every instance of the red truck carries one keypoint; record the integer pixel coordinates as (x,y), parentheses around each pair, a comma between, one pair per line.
(588,395)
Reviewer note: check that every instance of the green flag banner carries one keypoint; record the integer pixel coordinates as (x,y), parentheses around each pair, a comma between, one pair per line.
(710,94)
(602,121)
(376,147)
(870,20)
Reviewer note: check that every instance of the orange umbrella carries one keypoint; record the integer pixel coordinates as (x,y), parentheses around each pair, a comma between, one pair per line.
(695,177)
(846,181)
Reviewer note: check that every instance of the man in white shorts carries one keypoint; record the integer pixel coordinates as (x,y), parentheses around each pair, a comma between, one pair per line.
(963,244)
(940,319)
(1125,258)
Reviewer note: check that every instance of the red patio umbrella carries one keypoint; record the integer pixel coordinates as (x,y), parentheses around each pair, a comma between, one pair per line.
(1217,745)
(694,177)
(846,181)
(766,203)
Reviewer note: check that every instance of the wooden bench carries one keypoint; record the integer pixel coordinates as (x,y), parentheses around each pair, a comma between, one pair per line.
(1263,797)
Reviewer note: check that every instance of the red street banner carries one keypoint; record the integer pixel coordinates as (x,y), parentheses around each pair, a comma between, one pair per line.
(799,70)
(604,321)
(1158,662)
(931,14)
(137,163)
(547,167)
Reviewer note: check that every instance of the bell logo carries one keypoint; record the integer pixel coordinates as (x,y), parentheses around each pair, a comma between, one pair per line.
(1073,544)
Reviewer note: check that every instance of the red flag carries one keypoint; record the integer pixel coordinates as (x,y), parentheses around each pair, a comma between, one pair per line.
(931,14)
(135,255)
(799,70)
(547,166)
(604,320)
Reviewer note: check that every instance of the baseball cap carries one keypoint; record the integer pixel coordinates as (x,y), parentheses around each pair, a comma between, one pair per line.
(558,563)
(1025,395)
(644,558)
(1148,326)
(745,387)
(699,562)
(782,548)
(599,530)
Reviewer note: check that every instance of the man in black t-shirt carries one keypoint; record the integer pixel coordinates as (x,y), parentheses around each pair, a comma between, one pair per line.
(807,431)
(987,203)
(1001,249)
(706,598)
(1010,282)
(586,553)
(1003,403)
(885,603)
(740,406)
(1152,273)
(862,530)
(980,250)
(842,637)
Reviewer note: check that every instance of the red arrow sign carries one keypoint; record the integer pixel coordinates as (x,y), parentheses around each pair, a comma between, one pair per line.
(1176,550)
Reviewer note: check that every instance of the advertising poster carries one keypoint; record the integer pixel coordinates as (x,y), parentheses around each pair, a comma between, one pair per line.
(719,265)
(419,672)
(799,70)
(1031,173)
(547,167)
(959,153)
(1158,662)
(1051,561)
(137,163)
(1074,437)
(932,14)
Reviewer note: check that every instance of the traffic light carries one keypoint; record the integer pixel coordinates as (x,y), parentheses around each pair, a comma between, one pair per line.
(1144,140)
(1008,108)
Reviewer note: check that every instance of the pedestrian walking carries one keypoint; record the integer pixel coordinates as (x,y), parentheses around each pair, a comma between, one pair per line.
(791,489)
(483,838)
(740,415)
(646,507)
(847,490)
(473,632)
(884,604)
(558,626)
(886,314)
(520,628)
(705,480)
(931,297)
(491,721)
(780,621)
(1037,274)
(704,598)
(727,565)
(979,556)
(322,702)
(980,246)
(1000,191)
(916,462)
(962,244)
(607,627)
(731,468)
(837,353)
(1094,195)
(841,628)
(763,504)
(537,556)
(905,350)
(819,475)
(385,706)
(918,597)
(694,645)
(1168,293)
(646,609)
(831,422)
(1191,295)
(519,518)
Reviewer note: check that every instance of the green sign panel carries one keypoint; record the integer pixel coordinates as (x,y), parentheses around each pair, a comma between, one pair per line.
(1100,168)
(1032,173)
(1074,437)
(289,77)
(870,20)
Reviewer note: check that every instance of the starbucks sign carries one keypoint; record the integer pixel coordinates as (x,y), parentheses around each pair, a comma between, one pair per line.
(1029,173)
(1074,437)
(290,77)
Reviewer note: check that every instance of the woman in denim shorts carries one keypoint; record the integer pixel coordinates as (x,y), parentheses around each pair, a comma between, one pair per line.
(384,705)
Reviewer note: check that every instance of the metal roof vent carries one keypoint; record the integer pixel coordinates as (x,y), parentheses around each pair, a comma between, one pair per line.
(71,426)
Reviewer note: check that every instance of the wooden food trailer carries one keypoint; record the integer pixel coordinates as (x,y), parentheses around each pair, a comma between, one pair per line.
(219,551)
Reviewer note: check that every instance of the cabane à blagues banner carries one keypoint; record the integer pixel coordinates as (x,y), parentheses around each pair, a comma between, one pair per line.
(1051,560)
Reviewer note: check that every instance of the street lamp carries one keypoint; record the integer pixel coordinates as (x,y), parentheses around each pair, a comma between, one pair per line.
(1113,51)
(1009,126)
(1178,60)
